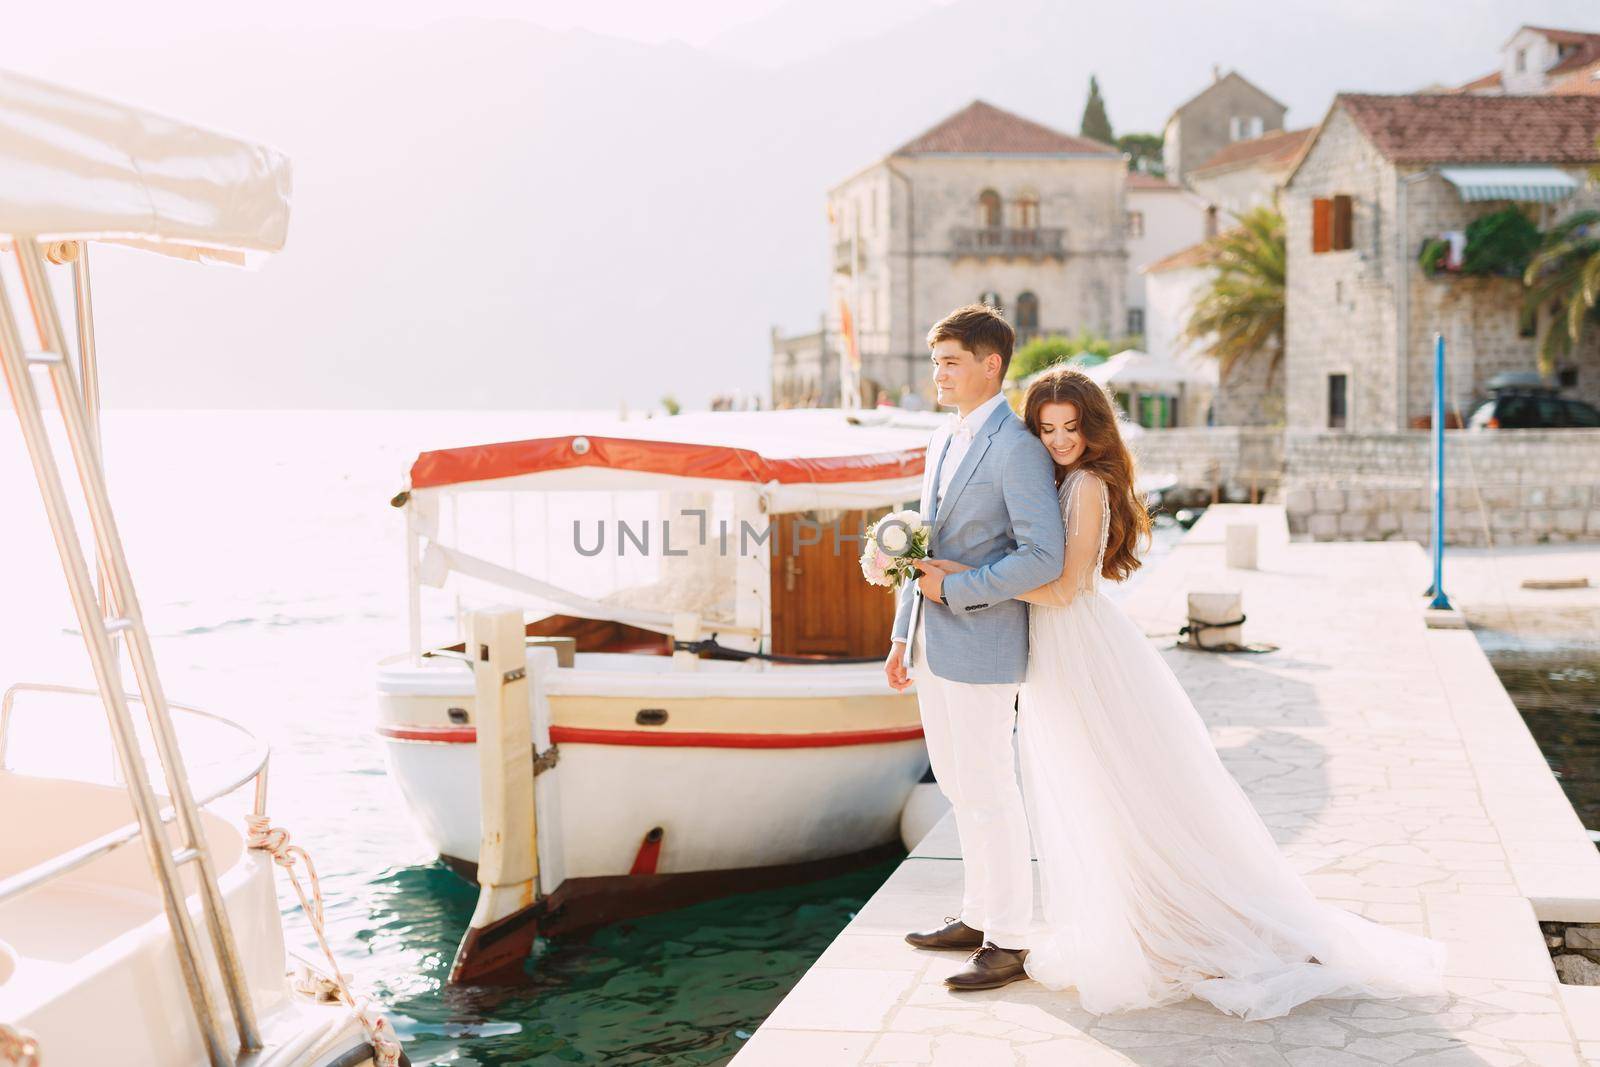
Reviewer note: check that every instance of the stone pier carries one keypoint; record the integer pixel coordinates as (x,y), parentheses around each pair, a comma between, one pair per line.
(1391,767)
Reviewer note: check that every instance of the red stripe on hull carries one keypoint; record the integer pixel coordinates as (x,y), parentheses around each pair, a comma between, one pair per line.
(582,735)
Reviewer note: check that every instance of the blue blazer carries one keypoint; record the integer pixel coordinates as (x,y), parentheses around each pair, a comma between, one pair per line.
(1002,517)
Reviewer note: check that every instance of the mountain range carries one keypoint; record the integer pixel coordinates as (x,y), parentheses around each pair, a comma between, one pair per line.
(493,213)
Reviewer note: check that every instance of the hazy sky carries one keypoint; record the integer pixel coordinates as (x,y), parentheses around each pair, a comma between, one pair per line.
(561,204)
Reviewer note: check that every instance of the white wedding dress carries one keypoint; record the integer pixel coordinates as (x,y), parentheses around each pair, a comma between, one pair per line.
(1159,879)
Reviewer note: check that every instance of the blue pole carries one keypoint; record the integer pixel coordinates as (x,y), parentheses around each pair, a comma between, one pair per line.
(1437,590)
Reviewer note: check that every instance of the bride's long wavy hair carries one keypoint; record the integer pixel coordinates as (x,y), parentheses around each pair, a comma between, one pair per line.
(1105,454)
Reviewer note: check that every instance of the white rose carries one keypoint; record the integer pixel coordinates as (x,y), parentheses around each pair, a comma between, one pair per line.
(894,538)
(895,530)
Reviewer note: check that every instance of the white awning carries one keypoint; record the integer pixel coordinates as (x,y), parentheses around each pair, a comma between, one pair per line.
(1133,368)
(1544,185)
(77,167)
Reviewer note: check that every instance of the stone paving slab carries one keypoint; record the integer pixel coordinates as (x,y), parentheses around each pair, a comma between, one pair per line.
(1392,769)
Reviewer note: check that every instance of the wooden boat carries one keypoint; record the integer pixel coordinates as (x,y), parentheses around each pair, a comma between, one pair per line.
(671,770)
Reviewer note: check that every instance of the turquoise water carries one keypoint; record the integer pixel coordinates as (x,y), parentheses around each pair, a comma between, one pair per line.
(686,987)
(271,571)
(1558,694)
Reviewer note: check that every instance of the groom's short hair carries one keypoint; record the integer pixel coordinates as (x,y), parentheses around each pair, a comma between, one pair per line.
(978,328)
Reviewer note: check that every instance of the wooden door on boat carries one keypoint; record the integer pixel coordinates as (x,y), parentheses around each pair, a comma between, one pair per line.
(821,605)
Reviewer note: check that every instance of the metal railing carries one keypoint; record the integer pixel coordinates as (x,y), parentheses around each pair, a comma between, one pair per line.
(110,620)
(107,843)
(1008,240)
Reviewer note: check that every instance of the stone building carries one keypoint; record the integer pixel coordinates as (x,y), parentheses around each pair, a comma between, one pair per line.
(1239,176)
(1246,174)
(1229,109)
(1162,218)
(987,206)
(1381,175)
(1536,59)
(805,367)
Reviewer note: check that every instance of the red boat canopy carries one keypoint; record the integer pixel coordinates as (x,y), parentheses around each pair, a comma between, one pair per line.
(878,458)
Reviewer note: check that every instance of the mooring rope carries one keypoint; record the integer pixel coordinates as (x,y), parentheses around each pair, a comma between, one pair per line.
(274,840)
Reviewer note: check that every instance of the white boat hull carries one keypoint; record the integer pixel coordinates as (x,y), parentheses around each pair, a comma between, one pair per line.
(718,809)
(87,962)
(748,769)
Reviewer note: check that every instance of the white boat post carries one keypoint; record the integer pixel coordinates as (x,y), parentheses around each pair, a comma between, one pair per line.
(503,925)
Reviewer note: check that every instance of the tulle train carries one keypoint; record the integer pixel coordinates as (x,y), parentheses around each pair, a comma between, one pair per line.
(1159,879)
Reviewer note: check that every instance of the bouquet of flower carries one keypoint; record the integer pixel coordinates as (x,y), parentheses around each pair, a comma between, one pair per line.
(891,548)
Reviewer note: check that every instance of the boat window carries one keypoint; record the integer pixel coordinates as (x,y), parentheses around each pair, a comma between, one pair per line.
(647,550)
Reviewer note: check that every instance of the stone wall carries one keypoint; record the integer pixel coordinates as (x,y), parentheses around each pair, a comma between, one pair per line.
(1343,309)
(1481,318)
(1511,487)
(1173,219)
(910,275)
(1200,127)
(1231,461)
(1339,306)
(1250,394)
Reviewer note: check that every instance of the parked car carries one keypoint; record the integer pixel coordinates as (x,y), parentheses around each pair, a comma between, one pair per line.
(1526,402)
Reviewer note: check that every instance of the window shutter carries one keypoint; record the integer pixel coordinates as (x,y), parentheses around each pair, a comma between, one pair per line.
(1342,236)
(1321,224)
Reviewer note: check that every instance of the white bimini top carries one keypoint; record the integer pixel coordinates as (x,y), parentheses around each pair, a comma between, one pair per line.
(78,167)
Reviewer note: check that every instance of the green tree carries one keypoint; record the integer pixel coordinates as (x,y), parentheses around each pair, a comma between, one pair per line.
(670,402)
(1085,349)
(1095,124)
(1239,315)
(1144,153)
(1565,273)
(1502,242)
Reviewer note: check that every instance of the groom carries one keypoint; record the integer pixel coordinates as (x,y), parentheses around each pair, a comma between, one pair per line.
(989,496)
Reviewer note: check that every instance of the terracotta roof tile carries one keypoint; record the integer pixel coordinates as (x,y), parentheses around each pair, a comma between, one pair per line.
(1585,81)
(1564,36)
(1583,46)
(1197,255)
(1462,128)
(983,129)
(1140,180)
(1270,149)
(1488,81)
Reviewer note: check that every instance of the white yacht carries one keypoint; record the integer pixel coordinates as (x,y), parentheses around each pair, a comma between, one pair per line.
(138,926)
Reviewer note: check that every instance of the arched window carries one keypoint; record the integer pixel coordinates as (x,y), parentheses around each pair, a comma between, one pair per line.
(1027,317)
(1026,210)
(992,299)
(989,208)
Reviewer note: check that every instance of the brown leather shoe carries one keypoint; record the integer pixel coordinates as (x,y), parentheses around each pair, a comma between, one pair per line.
(956,935)
(990,968)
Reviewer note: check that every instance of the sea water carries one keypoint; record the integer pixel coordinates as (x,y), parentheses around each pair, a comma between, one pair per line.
(271,571)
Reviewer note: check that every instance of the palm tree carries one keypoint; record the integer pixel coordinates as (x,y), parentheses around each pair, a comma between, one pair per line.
(1240,314)
(1565,273)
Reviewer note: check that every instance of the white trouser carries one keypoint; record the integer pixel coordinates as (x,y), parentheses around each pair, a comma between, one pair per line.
(968,727)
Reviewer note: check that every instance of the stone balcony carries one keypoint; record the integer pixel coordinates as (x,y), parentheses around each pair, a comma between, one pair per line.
(841,256)
(1035,242)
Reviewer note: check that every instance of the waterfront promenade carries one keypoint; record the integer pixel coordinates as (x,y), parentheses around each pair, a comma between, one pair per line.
(1391,767)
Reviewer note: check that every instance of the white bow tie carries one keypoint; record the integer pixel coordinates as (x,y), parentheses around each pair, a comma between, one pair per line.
(964,432)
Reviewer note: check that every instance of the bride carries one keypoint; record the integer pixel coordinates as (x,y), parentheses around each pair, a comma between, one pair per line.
(1160,881)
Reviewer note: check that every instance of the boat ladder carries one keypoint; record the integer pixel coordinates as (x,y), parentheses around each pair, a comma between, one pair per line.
(102,625)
